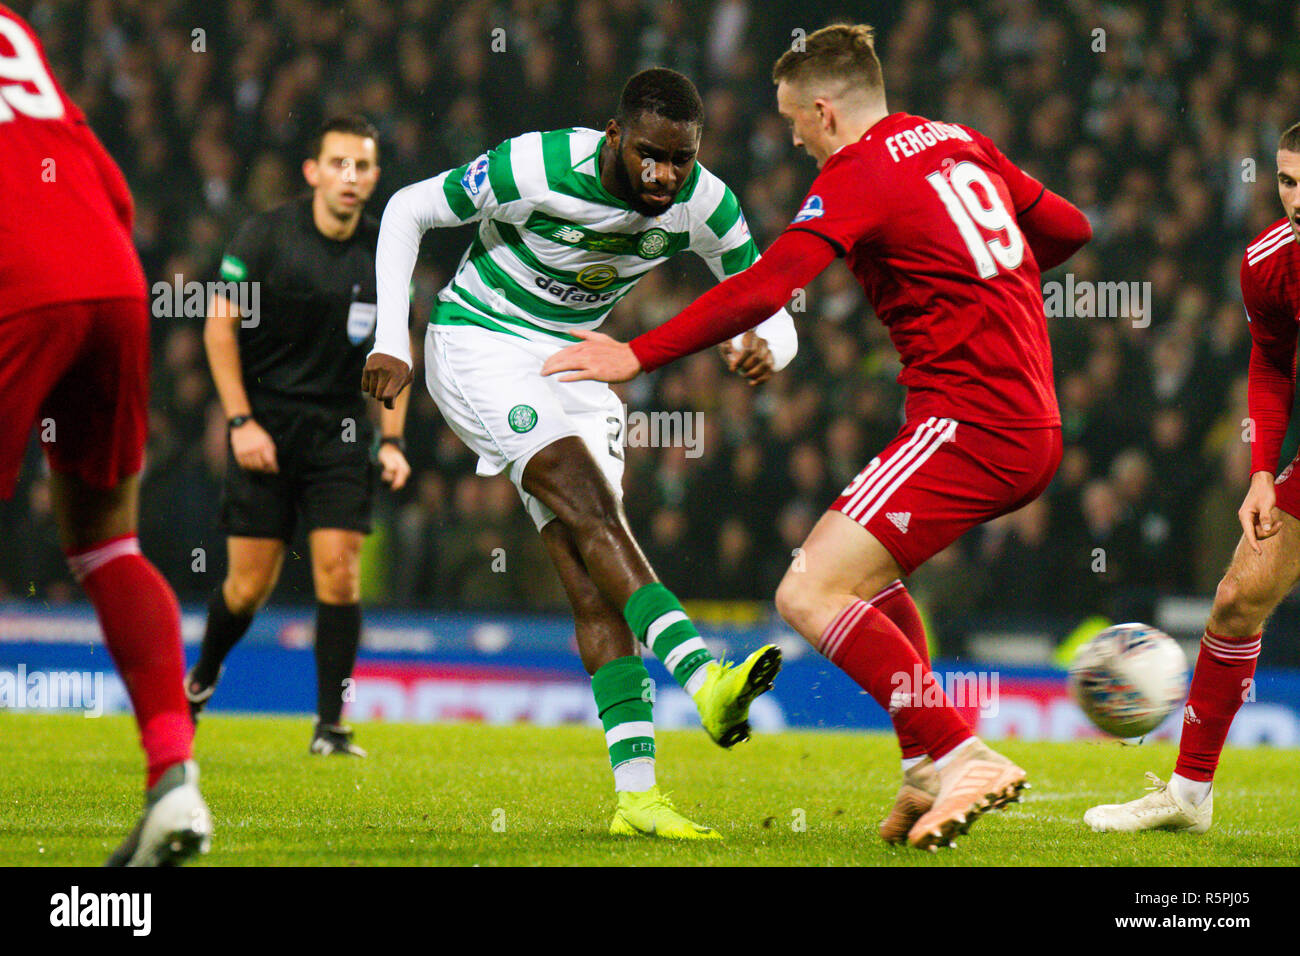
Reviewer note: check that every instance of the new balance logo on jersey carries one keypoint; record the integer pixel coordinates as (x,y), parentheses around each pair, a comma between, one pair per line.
(1189,715)
(900,519)
(570,234)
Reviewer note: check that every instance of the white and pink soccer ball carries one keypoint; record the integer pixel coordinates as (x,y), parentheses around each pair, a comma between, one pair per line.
(1128,679)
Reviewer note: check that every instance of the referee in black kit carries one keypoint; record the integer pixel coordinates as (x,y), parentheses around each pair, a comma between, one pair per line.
(287,357)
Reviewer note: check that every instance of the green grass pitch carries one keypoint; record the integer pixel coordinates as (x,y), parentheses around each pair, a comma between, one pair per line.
(519,796)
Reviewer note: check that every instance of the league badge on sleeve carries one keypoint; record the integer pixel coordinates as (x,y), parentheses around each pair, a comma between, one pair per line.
(811,209)
(475,176)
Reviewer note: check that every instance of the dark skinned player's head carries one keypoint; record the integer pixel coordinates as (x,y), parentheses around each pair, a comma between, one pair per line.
(654,138)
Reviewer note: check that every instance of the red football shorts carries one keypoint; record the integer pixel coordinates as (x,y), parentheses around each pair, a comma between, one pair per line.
(79,373)
(939,478)
(1286,488)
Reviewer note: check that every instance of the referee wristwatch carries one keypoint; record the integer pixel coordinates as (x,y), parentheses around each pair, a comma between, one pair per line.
(397,440)
(239,420)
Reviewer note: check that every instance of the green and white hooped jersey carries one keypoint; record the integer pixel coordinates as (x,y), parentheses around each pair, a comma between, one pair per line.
(555,251)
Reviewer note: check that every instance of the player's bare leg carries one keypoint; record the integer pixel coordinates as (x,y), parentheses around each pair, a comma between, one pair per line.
(820,597)
(602,634)
(252,570)
(336,577)
(565,478)
(140,618)
(624,696)
(839,563)
(88,515)
(1254,584)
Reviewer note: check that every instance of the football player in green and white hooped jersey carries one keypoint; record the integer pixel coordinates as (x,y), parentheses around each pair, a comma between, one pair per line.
(568,222)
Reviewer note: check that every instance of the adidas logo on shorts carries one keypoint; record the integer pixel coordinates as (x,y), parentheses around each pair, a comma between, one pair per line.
(900,519)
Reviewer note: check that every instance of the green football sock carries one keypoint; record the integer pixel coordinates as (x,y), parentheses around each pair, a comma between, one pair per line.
(658,621)
(624,696)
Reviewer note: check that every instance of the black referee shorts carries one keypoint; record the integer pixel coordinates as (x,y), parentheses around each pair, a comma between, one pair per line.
(324,477)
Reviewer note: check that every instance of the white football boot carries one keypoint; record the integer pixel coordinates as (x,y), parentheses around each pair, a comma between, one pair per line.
(1164,808)
(175,826)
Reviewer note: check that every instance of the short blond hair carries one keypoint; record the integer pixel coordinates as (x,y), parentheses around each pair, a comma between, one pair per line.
(842,55)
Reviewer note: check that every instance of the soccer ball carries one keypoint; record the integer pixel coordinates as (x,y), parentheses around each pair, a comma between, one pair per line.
(1128,679)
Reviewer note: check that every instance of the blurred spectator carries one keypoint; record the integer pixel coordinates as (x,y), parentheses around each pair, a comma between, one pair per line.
(1217,529)
(1019,554)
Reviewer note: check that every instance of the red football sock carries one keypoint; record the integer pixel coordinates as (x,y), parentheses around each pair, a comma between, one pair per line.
(1224,669)
(142,628)
(870,648)
(896,604)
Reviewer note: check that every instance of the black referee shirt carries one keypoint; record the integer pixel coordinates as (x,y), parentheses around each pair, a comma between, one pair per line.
(314,300)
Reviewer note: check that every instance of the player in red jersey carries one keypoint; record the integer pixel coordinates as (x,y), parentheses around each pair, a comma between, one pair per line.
(74,356)
(947,237)
(1266,564)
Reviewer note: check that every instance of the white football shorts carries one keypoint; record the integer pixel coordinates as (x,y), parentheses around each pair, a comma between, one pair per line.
(489,388)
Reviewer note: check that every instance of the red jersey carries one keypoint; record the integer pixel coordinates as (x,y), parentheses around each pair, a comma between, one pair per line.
(925,215)
(65,222)
(1270,291)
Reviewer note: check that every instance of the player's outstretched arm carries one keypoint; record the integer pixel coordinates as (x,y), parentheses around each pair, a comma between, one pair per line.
(733,306)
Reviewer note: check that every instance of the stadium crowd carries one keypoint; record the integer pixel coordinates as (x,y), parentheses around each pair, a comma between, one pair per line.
(1158,118)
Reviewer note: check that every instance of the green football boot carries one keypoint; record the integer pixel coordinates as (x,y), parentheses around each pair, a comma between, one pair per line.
(650,813)
(728,690)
